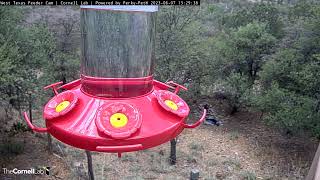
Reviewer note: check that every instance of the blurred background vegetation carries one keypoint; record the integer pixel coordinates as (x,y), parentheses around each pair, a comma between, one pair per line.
(259,56)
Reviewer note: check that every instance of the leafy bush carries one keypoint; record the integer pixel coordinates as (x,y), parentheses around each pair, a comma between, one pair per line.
(288,110)
(290,80)
(241,58)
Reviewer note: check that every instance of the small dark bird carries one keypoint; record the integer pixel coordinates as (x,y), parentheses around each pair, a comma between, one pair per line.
(211,120)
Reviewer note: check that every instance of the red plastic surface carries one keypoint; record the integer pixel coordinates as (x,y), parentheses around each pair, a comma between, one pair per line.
(34,128)
(178,86)
(107,110)
(50,108)
(71,85)
(183,108)
(53,86)
(196,124)
(85,122)
(116,87)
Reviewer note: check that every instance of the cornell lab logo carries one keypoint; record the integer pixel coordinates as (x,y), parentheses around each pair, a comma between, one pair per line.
(30,171)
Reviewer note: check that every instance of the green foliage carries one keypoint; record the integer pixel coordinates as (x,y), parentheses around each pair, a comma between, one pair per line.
(288,110)
(259,59)
(242,50)
(303,10)
(250,43)
(290,80)
(264,13)
(24,51)
(180,56)
(240,55)
(236,89)
(29,59)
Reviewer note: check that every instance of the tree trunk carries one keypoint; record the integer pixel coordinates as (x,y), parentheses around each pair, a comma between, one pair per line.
(173,152)
(261,116)
(234,110)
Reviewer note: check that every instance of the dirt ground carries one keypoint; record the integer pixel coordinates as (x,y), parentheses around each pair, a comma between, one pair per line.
(243,148)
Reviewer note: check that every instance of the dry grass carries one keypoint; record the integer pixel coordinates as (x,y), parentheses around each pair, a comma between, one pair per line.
(208,149)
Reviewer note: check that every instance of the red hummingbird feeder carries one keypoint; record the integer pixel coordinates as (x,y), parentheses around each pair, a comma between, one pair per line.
(116,106)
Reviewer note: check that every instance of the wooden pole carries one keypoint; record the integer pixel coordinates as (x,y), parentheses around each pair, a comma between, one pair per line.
(314,171)
(173,152)
(90,169)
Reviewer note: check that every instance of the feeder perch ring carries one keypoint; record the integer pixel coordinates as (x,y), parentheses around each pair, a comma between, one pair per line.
(118,120)
(172,103)
(60,105)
